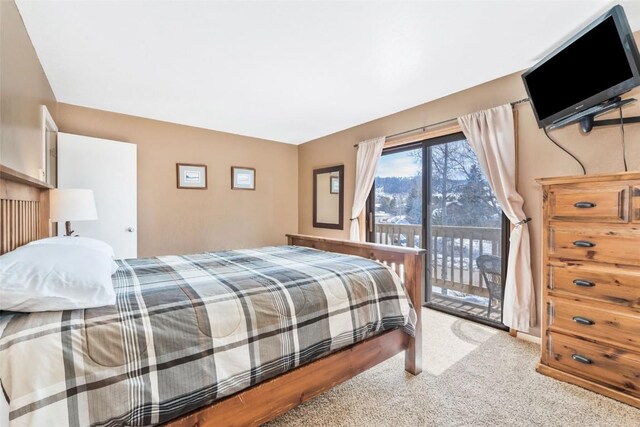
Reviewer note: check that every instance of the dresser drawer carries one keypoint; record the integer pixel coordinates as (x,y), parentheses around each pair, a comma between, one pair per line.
(609,204)
(619,369)
(607,284)
(613,246)
(618,327)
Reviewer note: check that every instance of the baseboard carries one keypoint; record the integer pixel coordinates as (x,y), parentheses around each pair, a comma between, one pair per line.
(529,338)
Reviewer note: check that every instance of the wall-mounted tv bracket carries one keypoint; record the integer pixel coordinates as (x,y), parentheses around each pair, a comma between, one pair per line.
(586,117)
(587,122)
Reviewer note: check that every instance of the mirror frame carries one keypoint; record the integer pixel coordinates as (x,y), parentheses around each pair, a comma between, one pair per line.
(340,224)
(48,154)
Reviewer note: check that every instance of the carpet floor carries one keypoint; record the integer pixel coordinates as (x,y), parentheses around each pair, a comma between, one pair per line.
(473,376)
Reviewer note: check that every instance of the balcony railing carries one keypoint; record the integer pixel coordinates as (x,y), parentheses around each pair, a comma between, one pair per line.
(452,251)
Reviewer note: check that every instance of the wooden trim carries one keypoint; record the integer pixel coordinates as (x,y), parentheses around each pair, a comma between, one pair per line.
(13,175)
(363,249)
(206,176)
(255,178)
(605,177)
(46,227)
(421,136)
(24,213)
(263,402)
(589,385)
(316,172)
(544,279)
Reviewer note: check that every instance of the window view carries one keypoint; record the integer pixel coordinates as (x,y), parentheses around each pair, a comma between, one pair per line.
(462,226)
(398,199)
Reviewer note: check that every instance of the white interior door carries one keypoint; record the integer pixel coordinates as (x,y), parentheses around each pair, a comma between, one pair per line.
(109,169)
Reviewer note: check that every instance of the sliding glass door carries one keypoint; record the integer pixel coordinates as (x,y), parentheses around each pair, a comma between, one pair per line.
(433,195)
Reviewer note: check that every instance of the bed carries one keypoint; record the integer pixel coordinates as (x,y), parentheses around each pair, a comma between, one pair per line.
(219,356)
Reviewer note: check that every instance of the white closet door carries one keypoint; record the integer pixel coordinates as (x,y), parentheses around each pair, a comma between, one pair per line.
(109,168)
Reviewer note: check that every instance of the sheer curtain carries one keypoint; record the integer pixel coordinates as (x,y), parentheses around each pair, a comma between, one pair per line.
(491,134)
(368,155)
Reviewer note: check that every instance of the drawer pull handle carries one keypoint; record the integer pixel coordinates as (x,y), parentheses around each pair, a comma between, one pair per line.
(585,283)
(582,359)
(583,320)
(584,205)
(584,244)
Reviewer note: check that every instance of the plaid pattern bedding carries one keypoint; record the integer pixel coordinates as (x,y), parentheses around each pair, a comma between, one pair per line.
(187,330)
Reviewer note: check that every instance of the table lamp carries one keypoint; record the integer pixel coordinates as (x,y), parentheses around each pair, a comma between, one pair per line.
(72,204)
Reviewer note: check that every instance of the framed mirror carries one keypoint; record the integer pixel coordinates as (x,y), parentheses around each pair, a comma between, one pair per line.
(328,197)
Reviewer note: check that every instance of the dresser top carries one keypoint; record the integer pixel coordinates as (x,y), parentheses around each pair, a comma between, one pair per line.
(607,177)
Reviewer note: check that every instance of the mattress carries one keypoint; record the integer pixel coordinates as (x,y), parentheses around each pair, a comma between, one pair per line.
(189,330)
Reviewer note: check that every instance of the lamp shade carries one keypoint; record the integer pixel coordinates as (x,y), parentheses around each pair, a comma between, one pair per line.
(72,204)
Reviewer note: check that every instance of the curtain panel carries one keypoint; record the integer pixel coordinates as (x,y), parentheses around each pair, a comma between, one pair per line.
(368,155)
(491,135)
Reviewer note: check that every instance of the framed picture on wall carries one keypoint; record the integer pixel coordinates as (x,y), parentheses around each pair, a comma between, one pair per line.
(243,178)
(335,185)
(191,176)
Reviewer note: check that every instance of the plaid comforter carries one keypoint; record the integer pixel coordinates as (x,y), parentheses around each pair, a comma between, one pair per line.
(187,330)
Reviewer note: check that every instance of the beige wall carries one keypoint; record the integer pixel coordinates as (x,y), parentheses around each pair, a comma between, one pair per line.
(23,89)
(173,221)
(600,151)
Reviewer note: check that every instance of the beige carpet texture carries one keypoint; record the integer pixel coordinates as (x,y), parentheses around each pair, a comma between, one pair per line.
(473,376)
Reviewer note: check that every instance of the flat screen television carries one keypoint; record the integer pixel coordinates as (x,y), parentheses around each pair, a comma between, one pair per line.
(597,64)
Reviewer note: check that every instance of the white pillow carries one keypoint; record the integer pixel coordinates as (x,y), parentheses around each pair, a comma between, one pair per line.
(55,277)
(84,242)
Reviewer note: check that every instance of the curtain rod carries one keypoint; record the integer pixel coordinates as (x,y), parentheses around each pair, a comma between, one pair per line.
(425,127)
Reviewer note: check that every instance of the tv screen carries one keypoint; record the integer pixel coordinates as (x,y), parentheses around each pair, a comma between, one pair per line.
(597,64)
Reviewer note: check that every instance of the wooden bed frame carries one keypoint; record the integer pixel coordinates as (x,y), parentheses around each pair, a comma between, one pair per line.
(266,401)
(24,207)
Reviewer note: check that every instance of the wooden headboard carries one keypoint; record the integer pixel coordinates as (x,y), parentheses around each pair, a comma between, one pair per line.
(24,209)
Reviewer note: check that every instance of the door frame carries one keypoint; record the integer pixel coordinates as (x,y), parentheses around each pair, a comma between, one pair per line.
(426,226)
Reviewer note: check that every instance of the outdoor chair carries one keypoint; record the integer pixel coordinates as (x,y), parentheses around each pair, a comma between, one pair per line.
(491,269)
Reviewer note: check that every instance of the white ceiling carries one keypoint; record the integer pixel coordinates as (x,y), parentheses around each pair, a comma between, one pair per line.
(289,71)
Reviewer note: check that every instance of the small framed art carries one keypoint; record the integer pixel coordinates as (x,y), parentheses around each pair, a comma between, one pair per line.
(191,176)
(243,178)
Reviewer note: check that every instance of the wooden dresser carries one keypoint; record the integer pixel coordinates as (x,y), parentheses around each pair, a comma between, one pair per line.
(591,290)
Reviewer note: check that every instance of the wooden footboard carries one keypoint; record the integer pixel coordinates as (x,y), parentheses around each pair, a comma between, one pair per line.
(268,400)
(406,262)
